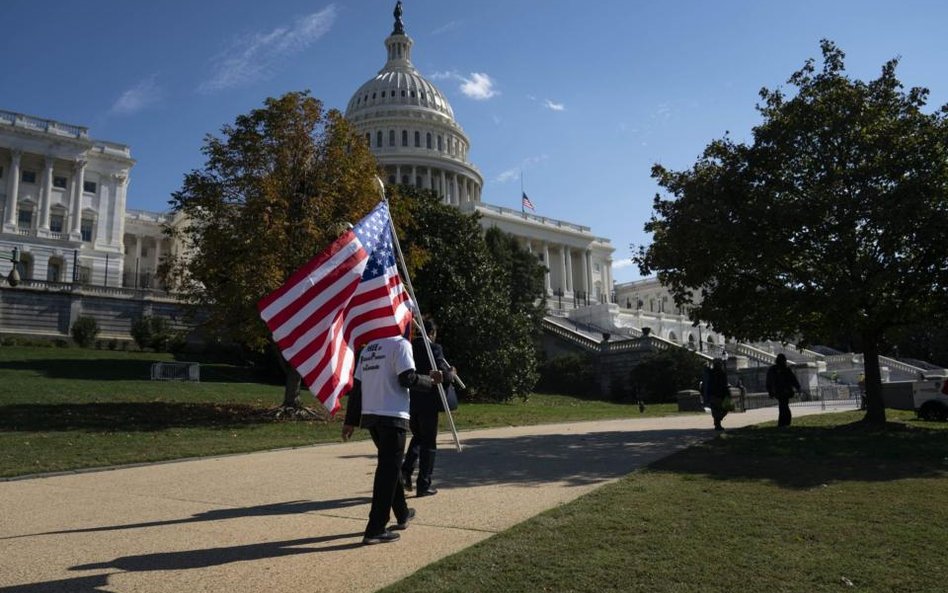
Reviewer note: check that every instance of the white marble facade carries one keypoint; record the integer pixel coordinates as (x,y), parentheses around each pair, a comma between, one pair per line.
(63,205)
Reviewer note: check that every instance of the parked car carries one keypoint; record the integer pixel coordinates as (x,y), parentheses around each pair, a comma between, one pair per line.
(931,398)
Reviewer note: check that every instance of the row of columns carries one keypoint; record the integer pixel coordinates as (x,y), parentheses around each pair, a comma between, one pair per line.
(456,187)
(46,187)
(566,271)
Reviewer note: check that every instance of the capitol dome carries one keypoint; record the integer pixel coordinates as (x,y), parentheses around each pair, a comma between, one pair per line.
(410,127)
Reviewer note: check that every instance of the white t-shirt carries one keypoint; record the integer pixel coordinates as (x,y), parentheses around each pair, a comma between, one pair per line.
(380,364)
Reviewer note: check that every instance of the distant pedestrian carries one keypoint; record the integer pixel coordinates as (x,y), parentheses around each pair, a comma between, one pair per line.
(782,384)
(719,393)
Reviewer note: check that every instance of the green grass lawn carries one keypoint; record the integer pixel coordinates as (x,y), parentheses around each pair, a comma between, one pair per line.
(825,506)
(69,408)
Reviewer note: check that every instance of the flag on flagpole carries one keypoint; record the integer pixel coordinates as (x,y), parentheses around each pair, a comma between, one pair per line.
(346,296)
(526,203)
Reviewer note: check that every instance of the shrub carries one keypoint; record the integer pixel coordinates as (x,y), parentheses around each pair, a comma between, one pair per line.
(571,374)
(113,344)
(155,333)
(84,331)
(662,374)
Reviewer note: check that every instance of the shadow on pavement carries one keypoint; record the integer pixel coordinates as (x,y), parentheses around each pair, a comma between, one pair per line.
(217,556)
(89,584)
(281,508)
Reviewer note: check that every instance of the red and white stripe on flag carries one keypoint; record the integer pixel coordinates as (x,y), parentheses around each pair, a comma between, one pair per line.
(526,202)
(345,297)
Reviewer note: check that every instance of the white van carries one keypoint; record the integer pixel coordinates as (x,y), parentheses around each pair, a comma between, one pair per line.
(931,398)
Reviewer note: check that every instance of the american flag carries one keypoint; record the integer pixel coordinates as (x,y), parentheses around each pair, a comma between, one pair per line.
(346,296)
(526,203)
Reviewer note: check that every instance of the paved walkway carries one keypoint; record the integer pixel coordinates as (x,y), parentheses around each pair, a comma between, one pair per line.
(292,520)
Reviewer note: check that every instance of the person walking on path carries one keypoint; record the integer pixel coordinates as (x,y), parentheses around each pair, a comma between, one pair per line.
(384,374)
(425,407)
(719,393)
(782,384)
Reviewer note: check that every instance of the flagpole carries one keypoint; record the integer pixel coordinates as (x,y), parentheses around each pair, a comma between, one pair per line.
(411,293)
(523,207)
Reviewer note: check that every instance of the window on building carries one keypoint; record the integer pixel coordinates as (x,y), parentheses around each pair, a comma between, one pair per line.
(368,139)
(404,179)
(24,219)
(1,172)
(391,137)
(57,220)
(54,271)
(417,139)
(403,93)
(85,228)
(89,187)
(440,144)
(28,177)
(59,181)
(404,137)
(418,181)
(428,140)
(85,274)
(391,180)
(378,139)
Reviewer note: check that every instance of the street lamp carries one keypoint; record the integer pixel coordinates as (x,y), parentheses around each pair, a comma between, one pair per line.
(14,276)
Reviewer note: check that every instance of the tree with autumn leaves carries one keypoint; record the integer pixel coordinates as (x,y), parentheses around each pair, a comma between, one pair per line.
(278,186)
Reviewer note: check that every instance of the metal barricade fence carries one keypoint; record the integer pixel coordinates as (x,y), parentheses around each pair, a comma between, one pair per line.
(176,371)
(833,396)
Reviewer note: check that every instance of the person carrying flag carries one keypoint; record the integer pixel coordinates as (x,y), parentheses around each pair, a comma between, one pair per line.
(379,401)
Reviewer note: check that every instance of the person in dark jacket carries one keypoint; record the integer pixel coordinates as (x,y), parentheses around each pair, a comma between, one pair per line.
(781,385)
(384,374)
(718,392)
(425,406)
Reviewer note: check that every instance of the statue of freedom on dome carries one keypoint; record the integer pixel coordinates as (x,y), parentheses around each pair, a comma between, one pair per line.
(399,25)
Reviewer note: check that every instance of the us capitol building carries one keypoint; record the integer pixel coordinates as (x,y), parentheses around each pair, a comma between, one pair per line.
(63,197)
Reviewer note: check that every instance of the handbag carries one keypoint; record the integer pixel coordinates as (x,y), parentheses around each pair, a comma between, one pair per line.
(452,396)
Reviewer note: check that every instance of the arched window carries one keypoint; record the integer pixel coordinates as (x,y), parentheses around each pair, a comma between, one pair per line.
(418,181)
(404,137)
(378,139)
(368,139)
(54,269)
(404,179)
(428,140)
(391,137)
(417,139)
(440,144)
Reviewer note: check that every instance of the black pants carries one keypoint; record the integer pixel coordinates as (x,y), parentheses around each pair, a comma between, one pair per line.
(783,405)
(423,447)
(387,492)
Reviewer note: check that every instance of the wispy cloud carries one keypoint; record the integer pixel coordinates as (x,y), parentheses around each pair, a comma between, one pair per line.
(478,86)
(509,175)
(254,57)
(514,173)
(618,264)
(142,95)
(554,106)
(447,28)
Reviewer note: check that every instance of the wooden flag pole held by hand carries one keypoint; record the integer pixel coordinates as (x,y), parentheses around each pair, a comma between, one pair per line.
(411,293)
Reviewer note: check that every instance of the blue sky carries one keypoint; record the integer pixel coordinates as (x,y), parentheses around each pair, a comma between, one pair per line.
(583,97)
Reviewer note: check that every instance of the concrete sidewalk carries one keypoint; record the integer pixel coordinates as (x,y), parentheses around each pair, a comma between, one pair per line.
(292,520)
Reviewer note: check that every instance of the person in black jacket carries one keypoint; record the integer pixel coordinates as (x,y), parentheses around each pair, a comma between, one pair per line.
(384,374)
(782,384)
(718,392)
(425,406)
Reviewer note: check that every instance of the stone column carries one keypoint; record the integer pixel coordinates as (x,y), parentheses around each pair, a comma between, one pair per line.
(398,174)
(428,179)
(564,267)
(590,283)
(76,214)
(569,269)
(455,198)
(118,225)
(546,262)
(414,176)
(607,279)
(46,195)
(444,187)
(13,188)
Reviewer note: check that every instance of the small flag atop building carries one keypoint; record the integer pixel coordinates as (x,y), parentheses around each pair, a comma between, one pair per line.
(526,203)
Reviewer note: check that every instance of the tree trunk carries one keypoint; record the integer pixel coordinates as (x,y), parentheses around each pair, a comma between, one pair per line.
(875,408)
(291,389)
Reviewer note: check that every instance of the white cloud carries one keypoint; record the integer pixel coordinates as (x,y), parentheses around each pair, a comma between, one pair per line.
(479,87)
(509,175)
(145,93)
(253,57)
(622,263)
(554,106)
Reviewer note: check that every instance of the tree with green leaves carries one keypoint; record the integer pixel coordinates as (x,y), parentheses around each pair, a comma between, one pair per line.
(277,187)
(831,222)
(488,324)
